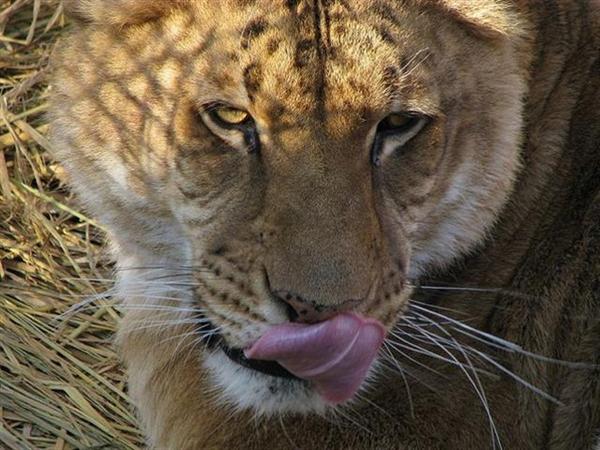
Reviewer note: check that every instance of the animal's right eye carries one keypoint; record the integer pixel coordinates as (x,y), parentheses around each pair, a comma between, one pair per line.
(228,116)
(234,125)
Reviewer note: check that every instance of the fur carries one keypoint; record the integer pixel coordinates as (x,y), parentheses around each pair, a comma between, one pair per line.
(496,199)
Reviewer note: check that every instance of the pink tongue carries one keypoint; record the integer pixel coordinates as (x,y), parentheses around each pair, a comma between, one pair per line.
(334,355)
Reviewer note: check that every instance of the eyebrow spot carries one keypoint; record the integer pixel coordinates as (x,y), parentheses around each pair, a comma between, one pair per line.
(252,79)
(252,31)
(304,51)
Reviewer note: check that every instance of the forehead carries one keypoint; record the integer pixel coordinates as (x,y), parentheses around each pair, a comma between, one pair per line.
(298,57)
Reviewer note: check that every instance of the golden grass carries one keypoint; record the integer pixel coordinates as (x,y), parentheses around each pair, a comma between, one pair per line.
(61,386)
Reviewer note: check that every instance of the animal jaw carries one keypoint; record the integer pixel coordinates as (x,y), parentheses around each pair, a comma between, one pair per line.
(245,389)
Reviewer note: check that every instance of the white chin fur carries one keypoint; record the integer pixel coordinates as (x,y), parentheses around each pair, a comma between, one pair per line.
(246,389)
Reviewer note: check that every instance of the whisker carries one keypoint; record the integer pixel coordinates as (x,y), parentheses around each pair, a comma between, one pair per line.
(517,378)
(285,433)
(398,348)
(481,290)
(410,346)
(441,308)
(182,337)
(409,373)
(415,62)
(459,289)
(364,398)
(411,405)
(523,352)
(506,371)
(345,413)
(204,338)
(500,343)
(138,307)
(190,268)
(167,324)
(474,380)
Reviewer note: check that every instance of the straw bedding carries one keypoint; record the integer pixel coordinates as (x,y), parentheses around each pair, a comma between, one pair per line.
(61,386)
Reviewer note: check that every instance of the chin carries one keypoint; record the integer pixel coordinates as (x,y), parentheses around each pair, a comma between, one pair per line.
(242,388)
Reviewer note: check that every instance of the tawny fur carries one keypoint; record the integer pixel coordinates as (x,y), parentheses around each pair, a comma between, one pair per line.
(501,189)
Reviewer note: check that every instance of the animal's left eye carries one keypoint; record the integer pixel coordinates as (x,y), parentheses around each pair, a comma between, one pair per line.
(398,123)
(393,132)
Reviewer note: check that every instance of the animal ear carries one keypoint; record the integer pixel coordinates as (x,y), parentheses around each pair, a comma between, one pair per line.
(483,18)
(119,13)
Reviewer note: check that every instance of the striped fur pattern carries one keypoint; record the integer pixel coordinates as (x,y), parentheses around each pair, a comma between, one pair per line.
(498,190)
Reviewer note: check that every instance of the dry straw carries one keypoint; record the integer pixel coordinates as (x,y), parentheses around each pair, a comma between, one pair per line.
(61,386)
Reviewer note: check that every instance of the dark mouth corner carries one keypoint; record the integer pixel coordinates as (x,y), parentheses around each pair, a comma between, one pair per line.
(270,368)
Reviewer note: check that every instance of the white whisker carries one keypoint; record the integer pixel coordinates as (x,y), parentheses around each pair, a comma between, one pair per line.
(390,355)
(497,342)
(474,379)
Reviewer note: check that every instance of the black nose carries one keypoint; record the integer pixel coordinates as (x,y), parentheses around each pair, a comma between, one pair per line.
(305,311)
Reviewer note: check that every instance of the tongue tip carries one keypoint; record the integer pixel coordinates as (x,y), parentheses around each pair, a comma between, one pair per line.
(342,383)
(378,326)
(250,352)
(364,321)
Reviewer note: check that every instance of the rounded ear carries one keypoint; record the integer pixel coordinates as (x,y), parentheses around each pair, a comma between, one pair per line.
(119,13)
(490,19)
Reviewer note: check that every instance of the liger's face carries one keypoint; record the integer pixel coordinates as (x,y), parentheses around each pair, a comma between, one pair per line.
(304,161)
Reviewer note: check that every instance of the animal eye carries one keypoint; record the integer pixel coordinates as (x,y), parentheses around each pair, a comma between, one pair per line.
(228,116)
(397,123)
(393,132)
(233,125)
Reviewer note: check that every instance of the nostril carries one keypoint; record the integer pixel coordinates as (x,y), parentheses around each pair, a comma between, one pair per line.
(291,312)
(297,309)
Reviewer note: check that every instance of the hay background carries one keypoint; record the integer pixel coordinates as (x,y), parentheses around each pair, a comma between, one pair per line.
(61,386)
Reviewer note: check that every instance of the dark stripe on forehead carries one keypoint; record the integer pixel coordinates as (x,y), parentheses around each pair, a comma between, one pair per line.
(321,56)
(327,20)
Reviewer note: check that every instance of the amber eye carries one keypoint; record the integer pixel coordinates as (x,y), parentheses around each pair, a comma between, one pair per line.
(228,116)
(397,123)
(231,124)
(394,131)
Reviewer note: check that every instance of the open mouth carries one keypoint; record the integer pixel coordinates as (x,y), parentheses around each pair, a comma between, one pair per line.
(334,356)
(271,368)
